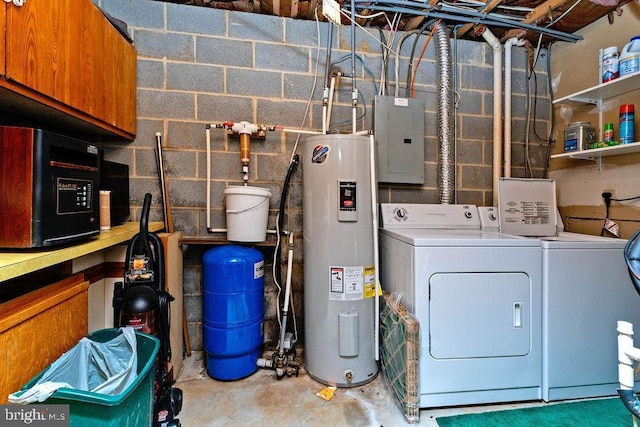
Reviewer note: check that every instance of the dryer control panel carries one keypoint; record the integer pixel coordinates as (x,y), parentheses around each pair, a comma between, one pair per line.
(415,215)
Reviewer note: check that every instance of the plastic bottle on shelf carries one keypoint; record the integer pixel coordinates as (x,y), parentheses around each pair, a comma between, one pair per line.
(627,124)
(629,60)
(608,133)
(610,70)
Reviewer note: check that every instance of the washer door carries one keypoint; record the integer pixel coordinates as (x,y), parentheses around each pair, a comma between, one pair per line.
(474,315)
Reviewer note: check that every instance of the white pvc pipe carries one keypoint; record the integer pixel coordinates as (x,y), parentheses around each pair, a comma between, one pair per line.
(287,295)
(507,102)
(497,109)
(208,138)
(324,110)
(290,130)
(354,114)
(376,262)
(627,353)
(332,88)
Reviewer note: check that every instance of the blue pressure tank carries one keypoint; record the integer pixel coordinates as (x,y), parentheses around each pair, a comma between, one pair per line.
(233,310)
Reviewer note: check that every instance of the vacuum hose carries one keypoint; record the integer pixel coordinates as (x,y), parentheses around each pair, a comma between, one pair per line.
(632,258)
(630,400)
(627,353)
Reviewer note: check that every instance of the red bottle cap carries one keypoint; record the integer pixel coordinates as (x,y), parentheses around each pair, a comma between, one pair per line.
(626,108)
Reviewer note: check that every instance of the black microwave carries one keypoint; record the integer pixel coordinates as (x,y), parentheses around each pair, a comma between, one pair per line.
(49,188)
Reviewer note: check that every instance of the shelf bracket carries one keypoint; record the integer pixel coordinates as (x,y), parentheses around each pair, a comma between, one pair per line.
(600,104)
(598,160)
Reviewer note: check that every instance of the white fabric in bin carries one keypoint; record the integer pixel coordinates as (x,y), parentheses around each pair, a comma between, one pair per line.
(108,368)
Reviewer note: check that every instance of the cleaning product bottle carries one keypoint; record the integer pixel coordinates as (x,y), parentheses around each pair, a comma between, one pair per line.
(629,60)
(608,133)
(610,66)
(627,124)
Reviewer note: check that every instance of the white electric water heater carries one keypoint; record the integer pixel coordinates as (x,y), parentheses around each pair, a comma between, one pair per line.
(339,274)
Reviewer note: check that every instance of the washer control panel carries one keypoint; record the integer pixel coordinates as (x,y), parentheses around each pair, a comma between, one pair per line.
(489,219)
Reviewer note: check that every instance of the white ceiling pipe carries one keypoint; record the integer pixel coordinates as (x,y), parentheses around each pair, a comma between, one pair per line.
(497,107)
(513,41)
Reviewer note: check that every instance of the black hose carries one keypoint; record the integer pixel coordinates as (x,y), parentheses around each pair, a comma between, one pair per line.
(283,199)
(285,189)
(143,247)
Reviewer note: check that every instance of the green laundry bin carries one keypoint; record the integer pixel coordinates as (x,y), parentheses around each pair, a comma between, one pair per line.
(132,408)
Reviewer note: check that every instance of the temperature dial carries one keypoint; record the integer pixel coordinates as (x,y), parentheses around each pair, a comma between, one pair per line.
(401,214)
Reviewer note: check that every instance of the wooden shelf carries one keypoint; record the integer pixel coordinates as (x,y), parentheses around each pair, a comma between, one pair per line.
(14,264)
(596,94)
(219,241)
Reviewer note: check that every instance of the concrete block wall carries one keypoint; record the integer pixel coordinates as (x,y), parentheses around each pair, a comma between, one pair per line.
(198,65)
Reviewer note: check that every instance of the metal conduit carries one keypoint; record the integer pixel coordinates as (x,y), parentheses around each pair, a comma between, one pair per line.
(489,19)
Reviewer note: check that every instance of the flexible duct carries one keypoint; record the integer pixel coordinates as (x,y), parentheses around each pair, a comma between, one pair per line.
(507,103)
(446,167)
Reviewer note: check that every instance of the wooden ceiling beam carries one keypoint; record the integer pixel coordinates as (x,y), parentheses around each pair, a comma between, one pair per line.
(466,27)
(545,10)
(416,21)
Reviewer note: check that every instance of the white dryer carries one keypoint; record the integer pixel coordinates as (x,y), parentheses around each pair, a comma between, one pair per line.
(477,296)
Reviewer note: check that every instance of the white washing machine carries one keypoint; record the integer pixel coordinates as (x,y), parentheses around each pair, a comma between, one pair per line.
(586,289)
(477,296)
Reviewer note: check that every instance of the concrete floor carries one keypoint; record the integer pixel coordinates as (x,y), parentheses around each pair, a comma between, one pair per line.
(261,399)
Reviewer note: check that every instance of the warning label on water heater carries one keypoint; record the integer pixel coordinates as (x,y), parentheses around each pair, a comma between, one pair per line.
(347,283)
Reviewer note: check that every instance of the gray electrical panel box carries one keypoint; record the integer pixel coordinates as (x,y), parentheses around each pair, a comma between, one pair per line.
(399,131)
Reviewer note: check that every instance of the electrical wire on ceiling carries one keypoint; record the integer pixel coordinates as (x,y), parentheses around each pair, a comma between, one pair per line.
(364,66)
(565,13)
(424,48)
(455,13)
(410,73)
(384,66)
(406,35)
(386,44)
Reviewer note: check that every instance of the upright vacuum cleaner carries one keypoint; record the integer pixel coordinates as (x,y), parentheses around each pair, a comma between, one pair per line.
(142,302)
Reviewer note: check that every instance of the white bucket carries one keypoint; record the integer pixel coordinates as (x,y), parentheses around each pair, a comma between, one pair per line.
(247,213)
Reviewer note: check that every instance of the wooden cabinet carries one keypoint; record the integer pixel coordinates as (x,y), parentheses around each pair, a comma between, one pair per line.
(66,66)
(36,328)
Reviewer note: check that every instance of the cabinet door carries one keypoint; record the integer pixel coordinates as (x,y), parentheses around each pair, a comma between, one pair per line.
(66,50)
(38,327)
(3,21)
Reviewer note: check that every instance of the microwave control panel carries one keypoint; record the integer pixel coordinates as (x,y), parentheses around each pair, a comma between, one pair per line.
(74,196)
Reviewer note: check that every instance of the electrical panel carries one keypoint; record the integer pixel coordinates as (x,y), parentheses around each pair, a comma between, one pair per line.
(399,131)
